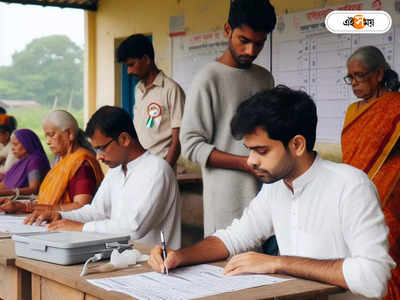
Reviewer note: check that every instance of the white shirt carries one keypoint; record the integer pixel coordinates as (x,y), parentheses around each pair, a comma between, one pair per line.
(332,213)
(9,156)
(140,203)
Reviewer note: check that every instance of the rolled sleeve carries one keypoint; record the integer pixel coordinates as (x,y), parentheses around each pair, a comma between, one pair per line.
(366,276)
(201,153)
(368,268)
(197,128)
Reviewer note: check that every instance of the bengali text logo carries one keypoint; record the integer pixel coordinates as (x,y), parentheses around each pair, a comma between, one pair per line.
(358,21)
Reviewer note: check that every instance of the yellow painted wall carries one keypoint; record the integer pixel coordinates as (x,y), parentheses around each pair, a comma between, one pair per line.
(116,19)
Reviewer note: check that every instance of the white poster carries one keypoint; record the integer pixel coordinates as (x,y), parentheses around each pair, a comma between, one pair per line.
(306,56)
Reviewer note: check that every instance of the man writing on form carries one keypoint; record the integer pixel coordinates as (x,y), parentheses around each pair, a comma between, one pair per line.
(139,194)
(326,216)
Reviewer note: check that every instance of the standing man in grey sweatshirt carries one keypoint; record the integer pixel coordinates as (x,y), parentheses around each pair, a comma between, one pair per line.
(216,92)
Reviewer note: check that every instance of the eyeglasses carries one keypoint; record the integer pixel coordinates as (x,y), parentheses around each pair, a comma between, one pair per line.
(358,77)
(100,150)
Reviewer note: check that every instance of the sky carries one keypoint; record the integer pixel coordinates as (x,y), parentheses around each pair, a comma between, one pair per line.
(20,24)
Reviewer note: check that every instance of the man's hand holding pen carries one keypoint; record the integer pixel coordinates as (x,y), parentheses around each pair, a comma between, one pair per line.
(157,262)
(164,251)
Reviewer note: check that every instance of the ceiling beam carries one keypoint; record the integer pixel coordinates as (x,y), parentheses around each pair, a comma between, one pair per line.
(88,5)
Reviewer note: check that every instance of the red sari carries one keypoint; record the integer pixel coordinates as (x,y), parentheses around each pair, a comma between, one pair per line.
(370,142)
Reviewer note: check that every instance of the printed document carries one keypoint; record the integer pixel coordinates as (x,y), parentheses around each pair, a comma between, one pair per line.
(182,283)
(15,224)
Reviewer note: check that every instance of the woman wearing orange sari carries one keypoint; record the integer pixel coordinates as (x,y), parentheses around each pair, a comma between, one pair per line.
(75,175)
(370,139)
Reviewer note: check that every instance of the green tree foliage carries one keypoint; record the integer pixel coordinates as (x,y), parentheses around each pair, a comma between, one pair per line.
(48,67)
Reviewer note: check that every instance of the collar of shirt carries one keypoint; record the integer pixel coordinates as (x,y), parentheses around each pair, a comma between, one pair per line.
(158,81)
(304,179)
(130,167)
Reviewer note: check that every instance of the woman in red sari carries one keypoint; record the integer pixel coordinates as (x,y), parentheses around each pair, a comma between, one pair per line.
(370,138)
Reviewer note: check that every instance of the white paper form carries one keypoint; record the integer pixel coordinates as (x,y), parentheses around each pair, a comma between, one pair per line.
(182,283)
(15,224)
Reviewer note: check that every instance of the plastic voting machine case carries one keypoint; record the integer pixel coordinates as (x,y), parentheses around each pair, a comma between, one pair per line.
(67,247)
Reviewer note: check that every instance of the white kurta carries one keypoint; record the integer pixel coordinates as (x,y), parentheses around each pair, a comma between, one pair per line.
(333,212)
(140,203)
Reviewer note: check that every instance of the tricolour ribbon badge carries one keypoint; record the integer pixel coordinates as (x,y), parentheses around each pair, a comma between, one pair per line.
(153,115)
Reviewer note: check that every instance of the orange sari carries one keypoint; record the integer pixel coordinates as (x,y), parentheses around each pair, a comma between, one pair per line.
(370,142)
(53,189)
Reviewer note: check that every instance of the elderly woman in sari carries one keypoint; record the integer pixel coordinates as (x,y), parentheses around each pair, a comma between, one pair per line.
(25,176)
(370,138)
(75,174)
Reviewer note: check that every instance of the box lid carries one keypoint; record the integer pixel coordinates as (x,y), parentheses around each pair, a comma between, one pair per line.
(68,239)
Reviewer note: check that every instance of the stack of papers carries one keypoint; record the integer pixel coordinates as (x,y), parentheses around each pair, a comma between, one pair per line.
(182,283)
(15,224)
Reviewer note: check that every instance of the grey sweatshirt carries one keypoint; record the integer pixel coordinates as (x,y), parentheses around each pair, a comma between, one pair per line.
(215,94)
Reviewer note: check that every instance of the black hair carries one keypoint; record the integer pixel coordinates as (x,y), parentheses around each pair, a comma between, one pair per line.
(5,128)
(282,112)
(111,121)
(3,111)
(390,80)
(259,15)
(135,46)
(12,123)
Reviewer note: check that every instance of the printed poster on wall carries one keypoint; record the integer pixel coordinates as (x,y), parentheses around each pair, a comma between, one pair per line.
(306,56)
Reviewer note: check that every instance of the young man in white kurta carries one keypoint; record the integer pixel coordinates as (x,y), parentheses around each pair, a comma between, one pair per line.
(326,216)
(333,212)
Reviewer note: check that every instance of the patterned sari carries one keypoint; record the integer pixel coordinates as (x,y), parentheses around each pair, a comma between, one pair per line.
(370,142)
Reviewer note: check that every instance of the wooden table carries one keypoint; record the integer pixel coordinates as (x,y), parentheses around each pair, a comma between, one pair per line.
(5,235)
(15,283)
(186,178)
(22,278)
(50,281)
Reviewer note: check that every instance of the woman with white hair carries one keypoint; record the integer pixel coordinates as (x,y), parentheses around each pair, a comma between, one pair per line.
(75,174)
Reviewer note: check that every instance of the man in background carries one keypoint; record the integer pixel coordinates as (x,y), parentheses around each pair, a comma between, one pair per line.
(159,100)
(216,92)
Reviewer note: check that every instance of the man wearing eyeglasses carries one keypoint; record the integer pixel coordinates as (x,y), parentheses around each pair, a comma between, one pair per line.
(139,194)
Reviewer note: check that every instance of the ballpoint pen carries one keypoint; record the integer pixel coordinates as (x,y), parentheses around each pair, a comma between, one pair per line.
(164,251)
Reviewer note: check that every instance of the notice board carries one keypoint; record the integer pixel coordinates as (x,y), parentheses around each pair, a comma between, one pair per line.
(304,56)
(308,57)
